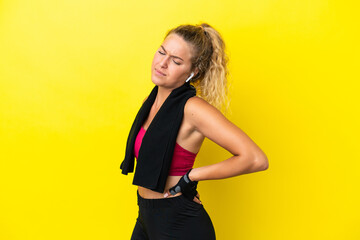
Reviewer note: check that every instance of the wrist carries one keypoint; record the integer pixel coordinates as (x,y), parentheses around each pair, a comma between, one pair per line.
(192,175)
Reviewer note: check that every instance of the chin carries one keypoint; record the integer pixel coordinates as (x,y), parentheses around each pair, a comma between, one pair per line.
(155,80)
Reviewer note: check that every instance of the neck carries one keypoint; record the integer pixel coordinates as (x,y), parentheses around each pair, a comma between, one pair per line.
(161,96)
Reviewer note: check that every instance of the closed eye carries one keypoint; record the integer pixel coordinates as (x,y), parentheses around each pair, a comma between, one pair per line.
(173,60)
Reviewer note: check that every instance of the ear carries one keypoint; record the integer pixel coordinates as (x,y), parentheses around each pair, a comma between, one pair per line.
(196,71)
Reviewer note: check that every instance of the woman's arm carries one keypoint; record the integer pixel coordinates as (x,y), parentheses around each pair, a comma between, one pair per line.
(209,121)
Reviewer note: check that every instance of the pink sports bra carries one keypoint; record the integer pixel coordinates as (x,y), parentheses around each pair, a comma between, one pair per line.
(183,160)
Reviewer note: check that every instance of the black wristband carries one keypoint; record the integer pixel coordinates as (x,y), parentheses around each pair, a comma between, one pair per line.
(186,186)
(187,179)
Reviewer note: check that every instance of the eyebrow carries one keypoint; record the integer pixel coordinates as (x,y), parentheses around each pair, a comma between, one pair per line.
(172,55)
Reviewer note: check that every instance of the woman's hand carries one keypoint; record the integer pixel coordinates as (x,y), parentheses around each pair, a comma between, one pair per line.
(187,187)
(197,198)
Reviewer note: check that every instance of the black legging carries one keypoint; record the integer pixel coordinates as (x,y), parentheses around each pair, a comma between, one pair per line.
(175,218)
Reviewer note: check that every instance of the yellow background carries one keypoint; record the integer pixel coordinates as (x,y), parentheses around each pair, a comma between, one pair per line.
(73,75)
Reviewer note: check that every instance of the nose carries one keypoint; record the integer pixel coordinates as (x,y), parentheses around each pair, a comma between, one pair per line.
(163,62)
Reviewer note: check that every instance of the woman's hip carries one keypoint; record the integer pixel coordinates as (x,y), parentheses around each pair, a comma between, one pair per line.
(175,218)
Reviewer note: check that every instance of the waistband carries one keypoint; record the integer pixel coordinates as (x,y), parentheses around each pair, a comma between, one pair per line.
(159,202)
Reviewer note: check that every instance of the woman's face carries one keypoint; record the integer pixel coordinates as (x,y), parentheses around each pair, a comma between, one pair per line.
(172,59)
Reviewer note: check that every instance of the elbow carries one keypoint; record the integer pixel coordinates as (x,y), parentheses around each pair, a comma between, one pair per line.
(261,162)
(265,166)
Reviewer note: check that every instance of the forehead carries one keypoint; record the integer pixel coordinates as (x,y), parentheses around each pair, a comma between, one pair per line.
(176,45)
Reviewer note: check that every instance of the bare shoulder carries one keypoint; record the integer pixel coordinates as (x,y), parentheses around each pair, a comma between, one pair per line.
(196,103)
(198,111)
(211,123)
(201,109)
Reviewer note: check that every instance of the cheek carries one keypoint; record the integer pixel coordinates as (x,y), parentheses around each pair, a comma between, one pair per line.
(156,59)
(178,72)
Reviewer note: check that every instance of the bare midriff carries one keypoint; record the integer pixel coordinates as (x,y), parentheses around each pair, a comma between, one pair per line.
(170,182)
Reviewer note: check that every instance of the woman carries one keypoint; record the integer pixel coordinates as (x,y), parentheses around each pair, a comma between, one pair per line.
(171,127)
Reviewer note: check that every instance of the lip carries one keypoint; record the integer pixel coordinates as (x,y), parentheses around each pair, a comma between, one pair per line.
(160,72)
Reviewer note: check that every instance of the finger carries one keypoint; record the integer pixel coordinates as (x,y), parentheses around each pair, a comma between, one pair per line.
(167,193)
(197,200)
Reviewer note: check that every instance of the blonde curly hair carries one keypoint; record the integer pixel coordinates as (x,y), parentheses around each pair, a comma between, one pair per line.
(210,58)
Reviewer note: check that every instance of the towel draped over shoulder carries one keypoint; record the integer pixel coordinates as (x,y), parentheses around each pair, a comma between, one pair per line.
(157,147)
